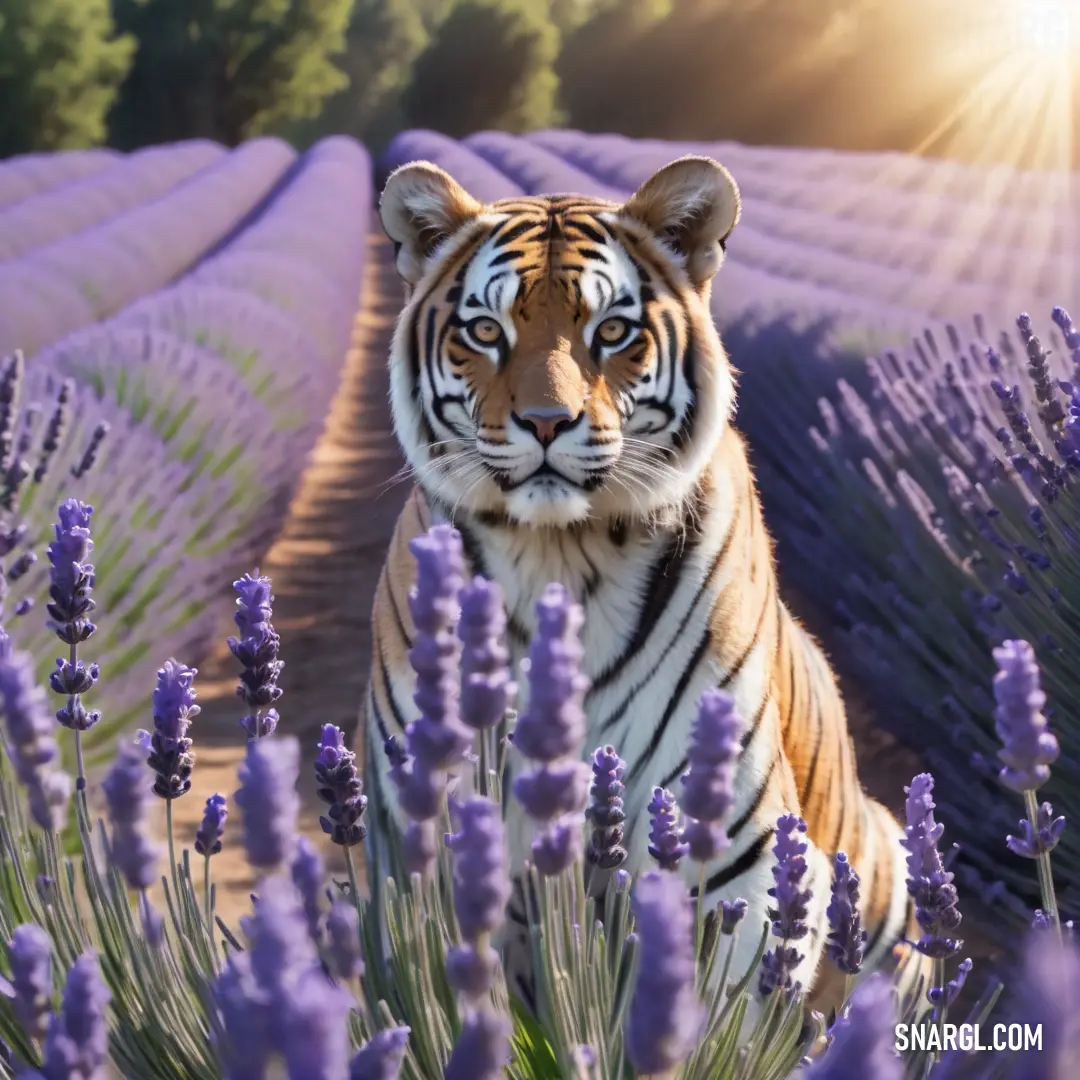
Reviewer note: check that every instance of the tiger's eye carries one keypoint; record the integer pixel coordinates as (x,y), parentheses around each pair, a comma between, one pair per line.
(611,331)
(486,331)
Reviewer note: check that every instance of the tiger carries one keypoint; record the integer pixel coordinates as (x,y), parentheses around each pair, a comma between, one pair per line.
(563,398)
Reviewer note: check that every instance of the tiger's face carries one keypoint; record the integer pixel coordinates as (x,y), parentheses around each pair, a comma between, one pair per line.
(556,361)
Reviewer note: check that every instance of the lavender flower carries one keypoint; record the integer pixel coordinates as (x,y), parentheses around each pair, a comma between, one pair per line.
(309,875)
(170,748)
(31,738)
(847,938)
(381,1057)
(481,893)
(664,1015)
(30,955)
(242,1004)
(340,787)
(257,650)
(732,913)
(437,739)
(315,1030)
(268,801)
(789,914)
(77,1042)
(551,732)
(486,687)
(1049,994)
(558,847)
(929,883)
(863,1038)
(1029,747)
(665,841)
(1040,838)
(482,1050)
(553,725)
(343,941)
(605,811)
(72,574)
(128,793)
(281,947)
(153,924)
(708,785)
(936,995)
(212,828)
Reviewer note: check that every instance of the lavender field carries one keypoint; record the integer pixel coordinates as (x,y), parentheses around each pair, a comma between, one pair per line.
(176,323)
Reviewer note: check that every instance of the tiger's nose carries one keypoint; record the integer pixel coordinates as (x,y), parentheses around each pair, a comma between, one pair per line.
(546,422)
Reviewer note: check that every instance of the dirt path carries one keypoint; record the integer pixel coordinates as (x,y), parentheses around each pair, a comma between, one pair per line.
(324,567)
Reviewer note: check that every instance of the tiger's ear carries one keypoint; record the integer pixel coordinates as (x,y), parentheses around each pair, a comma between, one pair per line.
(421,206)
(692,205)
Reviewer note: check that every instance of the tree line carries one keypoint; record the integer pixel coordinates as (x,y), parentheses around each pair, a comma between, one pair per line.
(851,74)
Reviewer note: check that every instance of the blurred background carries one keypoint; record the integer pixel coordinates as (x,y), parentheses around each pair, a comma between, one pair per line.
(984,81)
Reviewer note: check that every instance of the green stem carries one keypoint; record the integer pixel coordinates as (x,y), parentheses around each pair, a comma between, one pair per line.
(172,848)
(939,1015)
(206,896)
(1042,865)
(354,886)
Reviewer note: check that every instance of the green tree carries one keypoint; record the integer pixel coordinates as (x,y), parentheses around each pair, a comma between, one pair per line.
(61,63)
(384,38)
(226,69)
(489,65)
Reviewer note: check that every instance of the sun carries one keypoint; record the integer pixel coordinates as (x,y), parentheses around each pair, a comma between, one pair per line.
(1046,26)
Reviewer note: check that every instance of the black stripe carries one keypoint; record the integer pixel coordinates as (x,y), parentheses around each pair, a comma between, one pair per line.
(718,560)
(506,256)
(509,231)
(586,229)
(676,700)
(875,884)
(745,862)
(388,686)
(738,826)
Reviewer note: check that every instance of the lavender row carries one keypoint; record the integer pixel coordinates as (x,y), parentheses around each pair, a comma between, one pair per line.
(479,177)
(27,175)
(70,208)
(232,390)
(926,214)
(82,279)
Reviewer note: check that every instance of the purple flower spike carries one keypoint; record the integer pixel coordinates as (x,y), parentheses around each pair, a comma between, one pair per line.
(382,1056)
(343,941)
(243,1010)
(732,913)
(77,1043)
(482,1050)
(170,748)
(71,574)
(605,811)
(419,847)
(709,784)
(339,786)
(30,955)
(1068,332)
(309,876)
(257,651)
(553,725)
(438,740)
(553,790)
(481,868)
(486,687)
(129,794)
(481,892)
(664,1016)
(268,800)
(1040,838)
(559,846)
(315,1030)
(935,995)
(847,938)
(212,829)
(31,738)
(1049,994)
(863,1038)
(665,842)
(929,883)
(1029,748)
(789,914)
